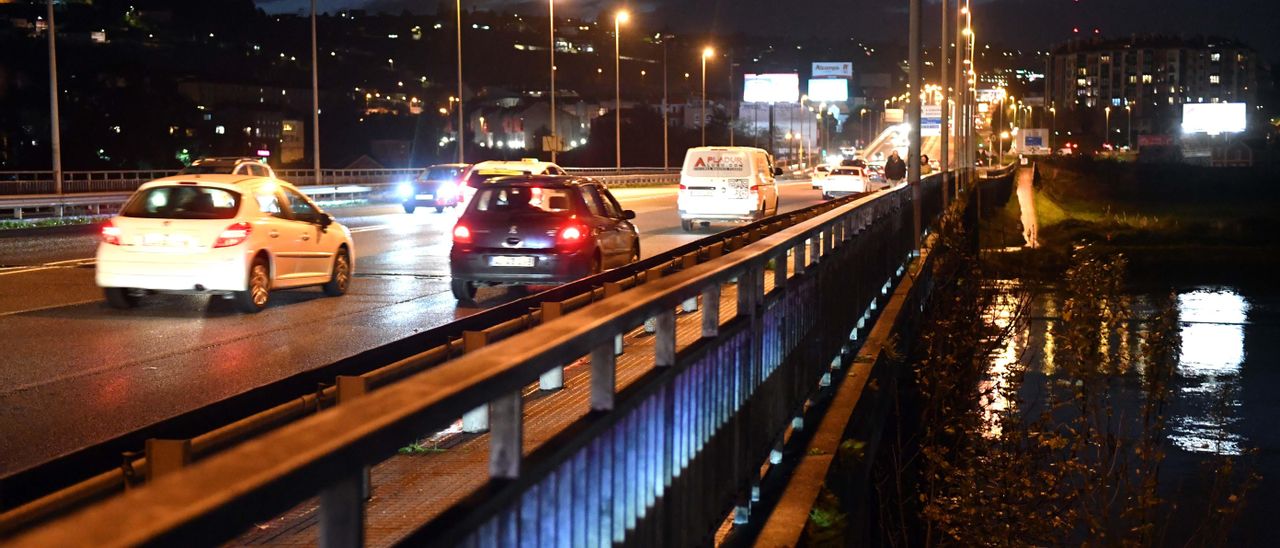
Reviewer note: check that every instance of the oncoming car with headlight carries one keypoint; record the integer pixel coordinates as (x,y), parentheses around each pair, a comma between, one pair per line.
(438,186)
(230,235)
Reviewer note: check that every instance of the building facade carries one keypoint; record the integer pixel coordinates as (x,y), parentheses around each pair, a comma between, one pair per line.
(1152,75)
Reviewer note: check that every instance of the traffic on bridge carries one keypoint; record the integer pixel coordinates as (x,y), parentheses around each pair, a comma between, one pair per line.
(304,272)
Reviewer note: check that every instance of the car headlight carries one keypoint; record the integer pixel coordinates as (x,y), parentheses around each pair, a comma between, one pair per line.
(405,190)
(447,189)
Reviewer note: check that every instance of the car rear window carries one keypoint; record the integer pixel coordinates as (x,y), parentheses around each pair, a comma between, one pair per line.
(441,174)
(183,202)
(478,178)
(848,171)
(208,169)
(717,163)
(508,200)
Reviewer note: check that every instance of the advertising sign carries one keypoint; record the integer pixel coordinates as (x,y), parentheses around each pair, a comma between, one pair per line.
(828,90)
(893,116)
(1155,141)
(1034,142)
(1213,118)
(833,70)
(931,120)
(771,88)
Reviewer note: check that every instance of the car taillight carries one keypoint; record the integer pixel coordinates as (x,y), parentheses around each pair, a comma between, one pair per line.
(110,234)
(571,235)
(682,187)
(461,235)
(755,189)
(234,235)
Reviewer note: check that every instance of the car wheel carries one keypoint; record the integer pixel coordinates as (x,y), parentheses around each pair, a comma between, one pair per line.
(409,207)
(597,264)
(687,226)
(439,209)
(120,298)
(257,289)
(635,254)
(340,279)
(463,290)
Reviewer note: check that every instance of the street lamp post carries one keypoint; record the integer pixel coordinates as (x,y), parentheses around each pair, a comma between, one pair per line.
(555,131)
(618,20)
(666,148)
(315,97)
(54,120)
(1128,141)
(1107,139)
(1053,129)
(945,161)
(706,54)
(462,126)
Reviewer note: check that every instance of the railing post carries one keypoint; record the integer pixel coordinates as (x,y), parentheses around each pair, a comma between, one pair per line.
(798,255)
(749,287)
(553,379)
(350,388)
(664,349)
(711,310)
(611,289)
(477,420)
(506,437)
(166,456)
(603,377)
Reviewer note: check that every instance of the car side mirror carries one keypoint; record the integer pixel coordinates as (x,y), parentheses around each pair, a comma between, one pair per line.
(324,220)
(777,172)
(628,214)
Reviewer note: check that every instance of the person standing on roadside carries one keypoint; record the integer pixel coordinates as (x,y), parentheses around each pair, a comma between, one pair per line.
(895,169)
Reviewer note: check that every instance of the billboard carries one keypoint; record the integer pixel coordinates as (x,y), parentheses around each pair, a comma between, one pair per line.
(828,90)
(1213,118)
(833,70)
(931,120)
(1155,141)
(893,116)
(771,88)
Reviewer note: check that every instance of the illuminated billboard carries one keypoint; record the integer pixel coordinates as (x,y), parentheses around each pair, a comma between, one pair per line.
(771,88)
(828,90)
(1213,118)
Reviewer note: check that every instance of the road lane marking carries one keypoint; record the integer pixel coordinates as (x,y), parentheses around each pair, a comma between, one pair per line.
(70,263)
(50,307)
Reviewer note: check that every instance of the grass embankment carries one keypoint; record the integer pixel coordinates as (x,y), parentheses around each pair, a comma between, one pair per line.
(1197,222)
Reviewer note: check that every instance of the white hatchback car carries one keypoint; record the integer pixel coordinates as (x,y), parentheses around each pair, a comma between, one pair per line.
(230,235)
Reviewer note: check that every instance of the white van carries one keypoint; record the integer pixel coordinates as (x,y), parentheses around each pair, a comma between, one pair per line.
(731,184)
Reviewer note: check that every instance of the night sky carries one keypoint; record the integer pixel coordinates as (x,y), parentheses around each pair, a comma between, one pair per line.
(1028,24)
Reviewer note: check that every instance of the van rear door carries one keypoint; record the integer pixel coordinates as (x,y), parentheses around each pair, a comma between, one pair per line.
(717,182)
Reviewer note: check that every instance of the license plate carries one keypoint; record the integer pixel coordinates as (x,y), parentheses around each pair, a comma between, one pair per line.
(426,196)
(698,193)
(155,239)
(520,262)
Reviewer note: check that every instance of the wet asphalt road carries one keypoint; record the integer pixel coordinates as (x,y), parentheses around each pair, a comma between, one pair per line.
(74,372)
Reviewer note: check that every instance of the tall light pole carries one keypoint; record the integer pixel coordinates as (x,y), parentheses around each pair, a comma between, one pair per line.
(618,20)
(945,43)
(1128,110)
(707,52)
(913,111)
(54,120)
(462,125)
(315,97)
(666,149)
(555,139)
(1107,140)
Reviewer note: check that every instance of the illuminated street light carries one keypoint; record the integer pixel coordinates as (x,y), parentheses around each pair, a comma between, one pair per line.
(618,20)
(707,52)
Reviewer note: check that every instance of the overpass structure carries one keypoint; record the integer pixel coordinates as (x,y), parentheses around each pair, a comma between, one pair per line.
(737,335)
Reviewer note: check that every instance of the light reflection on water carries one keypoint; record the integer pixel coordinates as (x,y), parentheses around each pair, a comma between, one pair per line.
(1205,405)
(1212,327)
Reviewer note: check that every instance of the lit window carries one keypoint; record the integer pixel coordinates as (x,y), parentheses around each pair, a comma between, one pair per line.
(1215,57)
(220,130)
(1146,78)
(1215,79)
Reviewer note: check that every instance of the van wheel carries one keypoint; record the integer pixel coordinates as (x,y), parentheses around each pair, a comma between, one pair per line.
(340,279)
(686,225)
(257,288)
(439,209)
(119,298)
(409,207)
(463,290)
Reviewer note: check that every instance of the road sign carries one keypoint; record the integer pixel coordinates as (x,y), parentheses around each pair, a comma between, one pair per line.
(550,142)
(931,121)
(833,70)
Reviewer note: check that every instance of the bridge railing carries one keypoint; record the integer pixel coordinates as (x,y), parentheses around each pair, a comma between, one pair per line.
(661,462)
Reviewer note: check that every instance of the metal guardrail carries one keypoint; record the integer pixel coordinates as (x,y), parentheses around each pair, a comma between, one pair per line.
(28,183)
(661,462)
(353,185)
